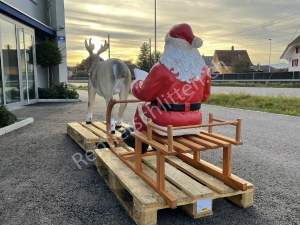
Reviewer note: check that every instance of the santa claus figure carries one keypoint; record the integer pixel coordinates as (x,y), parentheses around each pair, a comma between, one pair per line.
(175,87)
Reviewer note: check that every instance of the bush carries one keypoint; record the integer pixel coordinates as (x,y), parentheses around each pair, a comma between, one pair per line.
(6,117)
(81,73)
(58,91)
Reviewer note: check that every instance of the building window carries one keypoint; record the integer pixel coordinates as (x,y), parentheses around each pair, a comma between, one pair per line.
(297,50)
(294,62)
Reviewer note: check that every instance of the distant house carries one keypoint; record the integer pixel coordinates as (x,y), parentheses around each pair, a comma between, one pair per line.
(208,60)
(222,59)
(71,71)
(292,54)
(263,68)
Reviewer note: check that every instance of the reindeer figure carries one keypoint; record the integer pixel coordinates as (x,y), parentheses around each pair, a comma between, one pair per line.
(107,78)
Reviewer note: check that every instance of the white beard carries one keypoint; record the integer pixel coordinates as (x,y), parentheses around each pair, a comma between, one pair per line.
(184,60)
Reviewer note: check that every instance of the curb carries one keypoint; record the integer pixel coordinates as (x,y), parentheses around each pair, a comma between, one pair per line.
(21,123)
(60,100)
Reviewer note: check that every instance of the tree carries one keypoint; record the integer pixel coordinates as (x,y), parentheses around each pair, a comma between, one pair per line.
(82,65)
(145,61)
(240,65)
(81,69)
(47,55)
(130,66)
(158,55)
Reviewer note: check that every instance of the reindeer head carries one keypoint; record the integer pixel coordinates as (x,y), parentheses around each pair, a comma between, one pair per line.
(94,58)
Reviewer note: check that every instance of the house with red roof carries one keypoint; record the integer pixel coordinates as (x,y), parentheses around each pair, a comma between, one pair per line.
(292,54)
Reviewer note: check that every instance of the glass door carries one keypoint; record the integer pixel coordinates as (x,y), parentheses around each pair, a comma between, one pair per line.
(10,70)
(27,69)
(1,85)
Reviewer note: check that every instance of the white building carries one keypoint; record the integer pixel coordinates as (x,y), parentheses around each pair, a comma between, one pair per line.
(292,54)
(23,24)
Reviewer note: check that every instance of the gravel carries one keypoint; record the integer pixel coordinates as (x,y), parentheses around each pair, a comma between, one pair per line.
(41,184)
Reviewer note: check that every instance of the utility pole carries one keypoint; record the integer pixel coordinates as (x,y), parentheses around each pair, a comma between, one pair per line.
(270,56)
(150,61)
(108,40)
(155,57)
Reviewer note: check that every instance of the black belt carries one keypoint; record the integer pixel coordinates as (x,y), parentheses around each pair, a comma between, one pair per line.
(177,107)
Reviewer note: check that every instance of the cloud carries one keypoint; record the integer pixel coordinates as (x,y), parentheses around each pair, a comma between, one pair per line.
(219,23)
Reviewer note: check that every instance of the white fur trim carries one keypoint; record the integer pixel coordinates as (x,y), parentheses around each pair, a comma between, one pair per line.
(176,41)
(185,60)
(197,42)
(132,84)
(175,132)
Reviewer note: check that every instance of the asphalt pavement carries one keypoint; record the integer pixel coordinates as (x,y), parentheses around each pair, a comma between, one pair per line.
(263,91)
(41,184)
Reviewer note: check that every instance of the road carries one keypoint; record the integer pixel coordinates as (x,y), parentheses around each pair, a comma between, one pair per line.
(265,91)
(41,184)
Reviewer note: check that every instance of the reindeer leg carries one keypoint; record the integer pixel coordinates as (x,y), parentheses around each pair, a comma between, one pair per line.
(91,101)
(112,119)
(123,96)
(121,114)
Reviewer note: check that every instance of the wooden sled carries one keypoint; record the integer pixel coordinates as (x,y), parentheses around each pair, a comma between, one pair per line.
(181,147)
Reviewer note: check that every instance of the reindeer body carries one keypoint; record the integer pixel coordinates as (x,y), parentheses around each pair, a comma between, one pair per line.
(107,78)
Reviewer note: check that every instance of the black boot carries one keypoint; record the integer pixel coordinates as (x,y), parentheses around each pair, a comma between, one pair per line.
(130,140)
(100,145)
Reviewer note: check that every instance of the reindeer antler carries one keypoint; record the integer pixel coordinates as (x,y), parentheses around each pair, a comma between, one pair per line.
(89,47)
(103,48)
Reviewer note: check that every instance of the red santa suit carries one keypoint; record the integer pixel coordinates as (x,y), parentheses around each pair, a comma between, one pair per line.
(175,86)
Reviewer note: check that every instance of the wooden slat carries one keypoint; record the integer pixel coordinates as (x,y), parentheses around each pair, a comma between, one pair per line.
(138,188)
(181,180)
(116,137)
(131,155)
(96,131)
(176,145)
(102,126)
(189,144)
(88,136)
(199,175)
(227,155)
(219,142)
(207,144)
(154,144)
(221,137)
(232,181)
(125,125)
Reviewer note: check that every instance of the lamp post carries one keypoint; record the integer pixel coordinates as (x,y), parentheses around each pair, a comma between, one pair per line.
(270,56)
(108,40)
(155,58)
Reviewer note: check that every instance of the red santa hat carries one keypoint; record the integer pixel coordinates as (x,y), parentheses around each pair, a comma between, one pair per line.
(184,31)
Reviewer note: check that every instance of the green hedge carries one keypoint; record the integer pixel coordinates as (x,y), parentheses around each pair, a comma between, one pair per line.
(58,91)
(6,117)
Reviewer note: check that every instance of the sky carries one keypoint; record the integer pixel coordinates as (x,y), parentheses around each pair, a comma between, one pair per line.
(221,24)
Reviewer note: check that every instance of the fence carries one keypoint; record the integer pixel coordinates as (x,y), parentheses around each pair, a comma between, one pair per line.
(242,77)
(78,78)
(258,77)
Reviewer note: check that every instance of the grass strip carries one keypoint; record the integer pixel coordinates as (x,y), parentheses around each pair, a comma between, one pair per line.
(257,84)
(280,104)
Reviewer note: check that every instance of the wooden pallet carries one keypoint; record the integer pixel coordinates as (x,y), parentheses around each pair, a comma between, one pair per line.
(181,147)
(194,191)
(87,136)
